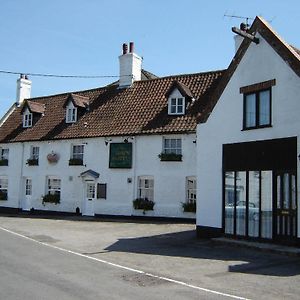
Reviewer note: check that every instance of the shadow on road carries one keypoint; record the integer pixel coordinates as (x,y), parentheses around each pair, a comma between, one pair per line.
(185,244)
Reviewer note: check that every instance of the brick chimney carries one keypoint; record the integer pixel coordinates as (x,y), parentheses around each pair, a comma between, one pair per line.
(130,66)
(23,89)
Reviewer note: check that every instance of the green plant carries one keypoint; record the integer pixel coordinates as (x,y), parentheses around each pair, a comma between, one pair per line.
(144,204)
(170,157)
(3,162)
(32,162)
(3,195)
(189,206)
(75,162)
(51,198)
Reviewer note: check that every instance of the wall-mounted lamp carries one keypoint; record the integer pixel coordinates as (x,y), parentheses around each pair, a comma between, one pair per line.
(126,140)
(195,141)
(107,141)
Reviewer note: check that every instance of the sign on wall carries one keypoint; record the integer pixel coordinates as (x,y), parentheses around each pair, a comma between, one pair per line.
(120,155)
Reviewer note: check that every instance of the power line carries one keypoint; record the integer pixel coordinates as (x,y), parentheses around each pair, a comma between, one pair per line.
(61,76)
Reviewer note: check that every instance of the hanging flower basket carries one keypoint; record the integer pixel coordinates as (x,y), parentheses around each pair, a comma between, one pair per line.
(52,158)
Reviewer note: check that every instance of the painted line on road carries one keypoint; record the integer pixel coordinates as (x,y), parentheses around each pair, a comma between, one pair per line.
(126,268)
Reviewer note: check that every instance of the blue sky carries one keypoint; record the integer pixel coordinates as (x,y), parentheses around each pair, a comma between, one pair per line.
(84,37)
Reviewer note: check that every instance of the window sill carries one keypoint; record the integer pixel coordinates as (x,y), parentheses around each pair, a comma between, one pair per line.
(256,127)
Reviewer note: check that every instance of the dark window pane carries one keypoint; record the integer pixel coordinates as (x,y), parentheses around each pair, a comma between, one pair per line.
(241,203)
(264,108)
(266,204)
(253,212)
(229,202)
(250,111)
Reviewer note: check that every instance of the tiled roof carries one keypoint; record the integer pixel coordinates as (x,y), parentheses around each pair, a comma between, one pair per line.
(288,53)
(35,107)
(140,109)
(184,90)
(78,100)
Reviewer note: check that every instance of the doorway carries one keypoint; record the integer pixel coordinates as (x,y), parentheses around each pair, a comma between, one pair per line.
(89,198)
(285,206)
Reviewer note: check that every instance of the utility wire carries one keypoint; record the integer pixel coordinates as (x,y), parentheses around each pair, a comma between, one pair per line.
(61,76)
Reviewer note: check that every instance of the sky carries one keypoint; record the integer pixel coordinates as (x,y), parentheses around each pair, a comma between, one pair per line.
(85,37)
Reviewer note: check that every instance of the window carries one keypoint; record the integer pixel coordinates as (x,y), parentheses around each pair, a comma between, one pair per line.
(191,189)
(4,156)
(90,190)
(3,188)
(28,187)
(176,106)
(77,155)
(146,187)
(53,186)
(35,152)
(257,109)
(172,146)
(27,119)
(71,115)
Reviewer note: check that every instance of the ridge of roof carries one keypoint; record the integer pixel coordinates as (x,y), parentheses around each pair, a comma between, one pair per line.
(287,52)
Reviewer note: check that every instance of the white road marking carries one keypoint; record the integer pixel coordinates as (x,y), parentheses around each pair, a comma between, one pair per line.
(126,268)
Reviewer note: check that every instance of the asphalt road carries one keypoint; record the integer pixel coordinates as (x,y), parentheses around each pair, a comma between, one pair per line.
(74,259)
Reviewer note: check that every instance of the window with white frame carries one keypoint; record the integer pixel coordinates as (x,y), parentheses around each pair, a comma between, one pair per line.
(171,145)
(191,189)
(4,156)
(3,188)
(176,106)
(27,119)
(146,187)
(34,152)
(71,113)
(53,186)
(28,187)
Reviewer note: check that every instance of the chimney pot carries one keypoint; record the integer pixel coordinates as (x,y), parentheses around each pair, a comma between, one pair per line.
(131,47)
(125,48)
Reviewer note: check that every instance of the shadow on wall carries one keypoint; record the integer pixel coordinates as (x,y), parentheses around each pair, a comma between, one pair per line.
(186,244)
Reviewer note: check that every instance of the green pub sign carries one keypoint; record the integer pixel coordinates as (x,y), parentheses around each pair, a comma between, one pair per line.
(120,155)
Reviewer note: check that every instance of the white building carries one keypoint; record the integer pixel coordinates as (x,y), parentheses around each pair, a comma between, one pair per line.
(248,144)
(95,151)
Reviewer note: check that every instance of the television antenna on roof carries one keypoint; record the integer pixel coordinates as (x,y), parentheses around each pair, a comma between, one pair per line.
(240,17)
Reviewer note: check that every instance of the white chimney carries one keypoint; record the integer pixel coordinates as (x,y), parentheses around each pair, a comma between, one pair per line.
(23,89)
(130,66)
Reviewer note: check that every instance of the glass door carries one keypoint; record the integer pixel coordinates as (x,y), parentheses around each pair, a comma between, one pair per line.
(285,213)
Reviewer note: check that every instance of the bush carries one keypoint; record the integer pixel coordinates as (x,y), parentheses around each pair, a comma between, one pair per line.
(51,198)
(170,157)
(144,204)
(189,206)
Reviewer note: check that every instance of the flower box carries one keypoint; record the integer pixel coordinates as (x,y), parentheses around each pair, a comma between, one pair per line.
(32,162)
(3,195)
(75,162)
(189,206)
(51,198)
(3,162)
(170,157)
(143,204)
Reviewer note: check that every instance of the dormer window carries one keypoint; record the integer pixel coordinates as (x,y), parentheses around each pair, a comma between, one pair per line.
(75,106)
(31,112)
(71,116)
(27,119)
(176,106)
(179,97)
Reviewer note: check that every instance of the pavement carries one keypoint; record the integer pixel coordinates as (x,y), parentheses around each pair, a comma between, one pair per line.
(133,260)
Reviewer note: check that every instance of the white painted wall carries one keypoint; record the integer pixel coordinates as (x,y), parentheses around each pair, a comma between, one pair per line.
(260,63)
(169,177)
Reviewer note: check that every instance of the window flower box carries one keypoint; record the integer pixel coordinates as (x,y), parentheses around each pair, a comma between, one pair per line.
(189,206)
(3,195)
(3,162)
(32,162)
(75,162)
(143,204)
(51,198)
(170,157)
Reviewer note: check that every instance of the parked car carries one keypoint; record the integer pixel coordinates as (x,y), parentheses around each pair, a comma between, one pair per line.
(241,210)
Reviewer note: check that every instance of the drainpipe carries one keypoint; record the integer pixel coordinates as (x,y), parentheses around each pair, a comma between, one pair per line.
(21,178)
